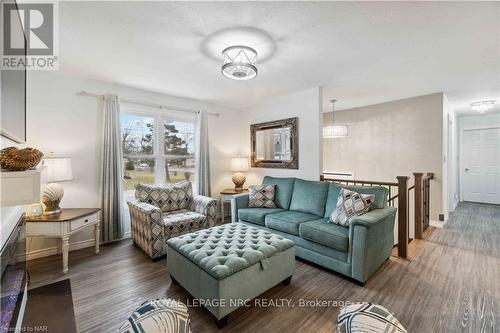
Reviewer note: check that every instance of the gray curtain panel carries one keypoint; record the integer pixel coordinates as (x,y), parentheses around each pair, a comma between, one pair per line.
(112,172)
(202,159)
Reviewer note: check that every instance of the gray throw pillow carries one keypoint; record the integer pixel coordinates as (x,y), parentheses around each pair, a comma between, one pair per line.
(261,196)
(349,205)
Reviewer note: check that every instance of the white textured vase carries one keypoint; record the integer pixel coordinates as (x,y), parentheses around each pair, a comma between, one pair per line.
(51,197)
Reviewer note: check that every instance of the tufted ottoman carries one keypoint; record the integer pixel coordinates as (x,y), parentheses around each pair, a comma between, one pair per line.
(227,265)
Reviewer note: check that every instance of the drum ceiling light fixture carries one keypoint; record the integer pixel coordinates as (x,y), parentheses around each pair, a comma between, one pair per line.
(334,131)
(482,106)
(238,62)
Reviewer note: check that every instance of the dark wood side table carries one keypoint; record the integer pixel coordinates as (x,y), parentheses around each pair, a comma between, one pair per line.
(226,195)
(63,225)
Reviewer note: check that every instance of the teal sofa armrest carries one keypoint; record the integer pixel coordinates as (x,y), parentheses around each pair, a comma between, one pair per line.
(205,206)
(371,238)
(237,202)
(374,217)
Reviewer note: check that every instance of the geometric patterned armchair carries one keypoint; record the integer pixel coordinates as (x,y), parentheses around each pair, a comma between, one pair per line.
(162,212)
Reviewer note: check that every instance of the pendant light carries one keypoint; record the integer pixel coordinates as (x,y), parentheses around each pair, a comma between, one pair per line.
(334,131)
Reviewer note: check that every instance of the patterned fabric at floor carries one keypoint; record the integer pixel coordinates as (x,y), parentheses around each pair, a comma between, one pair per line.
(160,315)
(367,318)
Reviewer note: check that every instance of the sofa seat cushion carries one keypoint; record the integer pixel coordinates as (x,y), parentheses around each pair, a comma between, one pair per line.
(288,221)
(182,221)
(256,215)
(322,232)
(224,250)
(309,197)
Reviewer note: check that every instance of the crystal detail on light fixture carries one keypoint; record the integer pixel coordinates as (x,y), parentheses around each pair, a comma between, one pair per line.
(334,131)
(482,106)
(239,63)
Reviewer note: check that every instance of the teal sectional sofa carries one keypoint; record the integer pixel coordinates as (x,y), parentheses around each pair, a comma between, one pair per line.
(301,214)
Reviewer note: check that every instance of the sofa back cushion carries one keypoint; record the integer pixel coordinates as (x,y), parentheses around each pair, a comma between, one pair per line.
(379,192)
(168,197)
(283,190)
(309,197)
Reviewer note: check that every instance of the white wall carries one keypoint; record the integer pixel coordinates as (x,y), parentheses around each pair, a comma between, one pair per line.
(306,105)
(486,120)
(62,122)
(391,139)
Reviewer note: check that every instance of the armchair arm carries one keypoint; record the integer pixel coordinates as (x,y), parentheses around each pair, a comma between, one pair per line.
(205,206)
(147,227)
(371,238)
(237,202)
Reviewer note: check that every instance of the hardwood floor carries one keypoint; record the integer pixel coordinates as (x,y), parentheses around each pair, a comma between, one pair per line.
(451,285)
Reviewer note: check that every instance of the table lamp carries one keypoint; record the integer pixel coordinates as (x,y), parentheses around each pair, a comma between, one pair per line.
(239,164)
(56,170)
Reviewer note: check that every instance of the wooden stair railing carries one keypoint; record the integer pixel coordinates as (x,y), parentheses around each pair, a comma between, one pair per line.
(421,187)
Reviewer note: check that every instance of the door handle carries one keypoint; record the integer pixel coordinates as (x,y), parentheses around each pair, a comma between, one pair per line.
(466,169)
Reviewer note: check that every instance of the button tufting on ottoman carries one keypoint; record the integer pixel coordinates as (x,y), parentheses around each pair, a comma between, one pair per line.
(230,264)
(159,315)
(224,250)
(367,318)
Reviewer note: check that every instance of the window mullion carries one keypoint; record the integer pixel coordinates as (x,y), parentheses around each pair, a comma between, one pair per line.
(159,149)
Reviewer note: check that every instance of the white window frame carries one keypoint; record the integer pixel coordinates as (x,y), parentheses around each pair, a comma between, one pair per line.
(159,116)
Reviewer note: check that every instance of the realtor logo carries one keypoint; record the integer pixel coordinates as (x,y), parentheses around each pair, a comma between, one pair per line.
(29,36)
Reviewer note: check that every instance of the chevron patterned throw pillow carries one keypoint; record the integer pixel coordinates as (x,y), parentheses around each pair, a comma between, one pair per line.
(261,196)
(349,205)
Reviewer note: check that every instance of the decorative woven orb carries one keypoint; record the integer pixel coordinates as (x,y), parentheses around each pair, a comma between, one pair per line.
(14,159)
(239,179)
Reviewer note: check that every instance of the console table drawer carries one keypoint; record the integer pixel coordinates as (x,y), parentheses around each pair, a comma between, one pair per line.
(82,221)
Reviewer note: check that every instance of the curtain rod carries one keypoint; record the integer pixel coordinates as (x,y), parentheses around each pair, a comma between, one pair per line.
(159,106)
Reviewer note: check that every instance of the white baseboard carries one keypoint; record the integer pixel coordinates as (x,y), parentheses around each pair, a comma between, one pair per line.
(437,224)
(50,251)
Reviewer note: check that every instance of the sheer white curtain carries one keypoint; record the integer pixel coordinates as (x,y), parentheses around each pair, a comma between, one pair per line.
(111,172)
(202,159)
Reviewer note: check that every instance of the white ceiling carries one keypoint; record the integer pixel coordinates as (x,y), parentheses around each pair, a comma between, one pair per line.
(361,53)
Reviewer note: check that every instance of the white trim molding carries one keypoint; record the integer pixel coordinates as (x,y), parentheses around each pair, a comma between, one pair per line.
(437,224)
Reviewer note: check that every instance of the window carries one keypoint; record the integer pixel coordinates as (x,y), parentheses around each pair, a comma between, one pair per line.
(157,148)
(138,149)
(178,150)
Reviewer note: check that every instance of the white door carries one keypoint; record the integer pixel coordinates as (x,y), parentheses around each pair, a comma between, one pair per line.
(481,165)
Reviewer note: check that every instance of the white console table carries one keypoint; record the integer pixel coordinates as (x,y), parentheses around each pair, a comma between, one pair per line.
(63,225)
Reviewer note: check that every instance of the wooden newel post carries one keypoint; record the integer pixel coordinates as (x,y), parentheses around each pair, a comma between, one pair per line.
(402,216)
(419,209)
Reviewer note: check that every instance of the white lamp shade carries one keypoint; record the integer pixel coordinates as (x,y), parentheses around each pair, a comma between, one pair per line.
(335,131)
(56,169)
(239,164)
